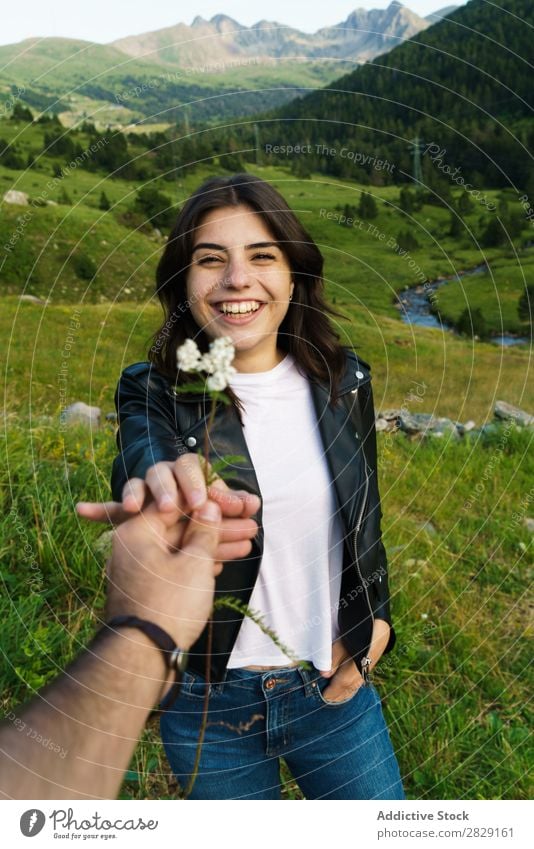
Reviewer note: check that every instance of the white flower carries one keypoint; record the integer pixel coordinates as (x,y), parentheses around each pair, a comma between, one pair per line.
(217,363)
(188,356)
(217,382)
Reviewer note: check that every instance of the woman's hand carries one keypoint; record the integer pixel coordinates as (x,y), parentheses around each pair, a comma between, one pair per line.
(180,486)
(344,674)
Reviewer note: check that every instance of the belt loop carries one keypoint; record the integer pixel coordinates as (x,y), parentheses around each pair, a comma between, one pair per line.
(220,685)
(309,679)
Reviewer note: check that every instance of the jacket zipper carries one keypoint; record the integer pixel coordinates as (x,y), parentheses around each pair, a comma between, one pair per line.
(366,661)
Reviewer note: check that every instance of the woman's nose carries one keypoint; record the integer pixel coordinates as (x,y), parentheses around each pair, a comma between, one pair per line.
(236,274)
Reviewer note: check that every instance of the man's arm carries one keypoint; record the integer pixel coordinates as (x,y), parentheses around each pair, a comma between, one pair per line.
(96,710)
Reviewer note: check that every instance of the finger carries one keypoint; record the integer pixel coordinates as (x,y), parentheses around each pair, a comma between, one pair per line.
(234,503)
(161,482)
(188,472)
(108,512)
(233,530)
(133,495)
(202,535)
(233,550)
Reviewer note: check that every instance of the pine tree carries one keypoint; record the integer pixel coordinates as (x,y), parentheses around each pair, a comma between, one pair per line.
(367,207)
(104,202)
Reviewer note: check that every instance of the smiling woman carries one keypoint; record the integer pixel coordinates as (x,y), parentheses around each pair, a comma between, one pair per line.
(239,264)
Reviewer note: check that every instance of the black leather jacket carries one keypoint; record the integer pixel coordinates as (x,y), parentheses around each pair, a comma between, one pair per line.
(155,425)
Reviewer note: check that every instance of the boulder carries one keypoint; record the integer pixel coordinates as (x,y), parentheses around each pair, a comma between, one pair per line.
(425,424)
(465,428)
(19,198)
(508,412)
(388,420)
(32,299)
(81,413)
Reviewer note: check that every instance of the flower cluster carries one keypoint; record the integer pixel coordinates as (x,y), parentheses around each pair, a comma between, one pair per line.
(217,363)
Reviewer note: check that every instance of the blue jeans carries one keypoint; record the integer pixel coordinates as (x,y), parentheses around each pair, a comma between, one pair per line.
(335,750)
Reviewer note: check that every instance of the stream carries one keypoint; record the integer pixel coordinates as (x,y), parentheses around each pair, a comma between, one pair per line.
(413,304)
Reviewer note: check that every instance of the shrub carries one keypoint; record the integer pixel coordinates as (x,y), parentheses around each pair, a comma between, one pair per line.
(84,267)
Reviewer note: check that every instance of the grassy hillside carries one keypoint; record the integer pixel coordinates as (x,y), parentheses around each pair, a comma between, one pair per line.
(78,79)
(462,381)
(41,246)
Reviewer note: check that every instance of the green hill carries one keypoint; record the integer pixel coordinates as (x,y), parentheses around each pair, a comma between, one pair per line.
(80,79)
(463,86)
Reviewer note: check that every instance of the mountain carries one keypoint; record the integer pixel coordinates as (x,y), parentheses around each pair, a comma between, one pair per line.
(363,35)
(200,67)
(463,86)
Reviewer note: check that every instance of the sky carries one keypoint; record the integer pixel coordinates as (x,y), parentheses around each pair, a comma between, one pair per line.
(104,21)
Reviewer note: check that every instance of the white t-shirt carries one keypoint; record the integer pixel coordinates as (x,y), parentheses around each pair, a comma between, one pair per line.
(298,586)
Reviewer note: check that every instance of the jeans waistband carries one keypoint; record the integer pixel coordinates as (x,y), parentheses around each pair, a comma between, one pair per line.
(251,679)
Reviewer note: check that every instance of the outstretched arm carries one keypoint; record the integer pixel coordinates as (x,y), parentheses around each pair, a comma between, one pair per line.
(97,708)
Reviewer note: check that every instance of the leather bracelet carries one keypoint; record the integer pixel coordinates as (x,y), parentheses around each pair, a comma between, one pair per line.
(175,658)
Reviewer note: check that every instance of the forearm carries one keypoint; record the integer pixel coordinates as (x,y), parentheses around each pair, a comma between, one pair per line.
(379,641)
(95,712)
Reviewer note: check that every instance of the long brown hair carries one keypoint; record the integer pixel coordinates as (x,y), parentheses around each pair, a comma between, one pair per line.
(305,332)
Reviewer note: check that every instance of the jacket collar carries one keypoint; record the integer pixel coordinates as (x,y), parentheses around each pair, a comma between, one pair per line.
(357,372)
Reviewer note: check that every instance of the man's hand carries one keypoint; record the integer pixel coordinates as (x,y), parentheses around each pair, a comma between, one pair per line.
(172,487)
(345,676)
(164,570)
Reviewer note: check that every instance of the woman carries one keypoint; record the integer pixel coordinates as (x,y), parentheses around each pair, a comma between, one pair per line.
(238,263)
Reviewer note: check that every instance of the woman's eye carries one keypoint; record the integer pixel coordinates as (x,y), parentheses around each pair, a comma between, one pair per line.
(264,256)
(205,259)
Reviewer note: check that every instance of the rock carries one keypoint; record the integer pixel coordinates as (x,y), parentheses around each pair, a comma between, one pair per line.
(503,410)
(388,420)
(529,524)
(81,413)
(19,198)
(32,299)
(426,526)
(425,424)
(465,428)
(111,417)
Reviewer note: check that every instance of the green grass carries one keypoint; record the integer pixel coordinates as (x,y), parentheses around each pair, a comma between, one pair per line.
(456,378)
(456,689)
(496,294)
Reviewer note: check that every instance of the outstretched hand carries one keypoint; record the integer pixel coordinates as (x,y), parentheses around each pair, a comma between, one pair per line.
(177,489)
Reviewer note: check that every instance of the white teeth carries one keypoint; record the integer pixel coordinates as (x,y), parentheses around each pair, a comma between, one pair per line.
(239,308)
